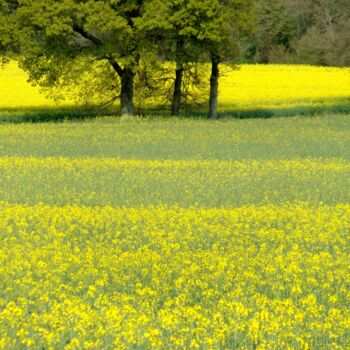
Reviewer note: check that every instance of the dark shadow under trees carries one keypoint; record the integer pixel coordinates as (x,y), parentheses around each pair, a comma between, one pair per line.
(80,113)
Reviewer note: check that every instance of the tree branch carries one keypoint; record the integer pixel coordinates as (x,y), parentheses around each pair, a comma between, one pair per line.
(116,66)
(113,99)
(98,42)
(95,40)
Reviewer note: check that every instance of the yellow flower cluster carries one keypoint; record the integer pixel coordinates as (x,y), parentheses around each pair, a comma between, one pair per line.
(261,277)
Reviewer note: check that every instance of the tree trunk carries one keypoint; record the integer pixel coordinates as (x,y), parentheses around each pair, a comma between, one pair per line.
(127,92)
(176,103)
(214,88)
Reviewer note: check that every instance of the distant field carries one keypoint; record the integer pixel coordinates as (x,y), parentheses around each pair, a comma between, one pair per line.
(261,89)
(17,92)
(283,86)
(139,233)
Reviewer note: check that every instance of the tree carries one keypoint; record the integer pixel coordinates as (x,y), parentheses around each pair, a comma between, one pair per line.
(175,24)
(5,30)
(54,34)
(301,31)
(274,33)
(195,31)
(227,22)
(326,40)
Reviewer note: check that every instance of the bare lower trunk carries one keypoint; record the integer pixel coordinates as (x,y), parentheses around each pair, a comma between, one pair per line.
(176,102)
(214,88)
(127,92)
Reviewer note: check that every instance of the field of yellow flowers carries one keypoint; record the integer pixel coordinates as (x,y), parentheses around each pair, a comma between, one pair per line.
(150,233)
(175,234)
(247,87)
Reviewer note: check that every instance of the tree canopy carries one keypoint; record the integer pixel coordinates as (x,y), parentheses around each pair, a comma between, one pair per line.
(5,29)
(54,35)
(60,41)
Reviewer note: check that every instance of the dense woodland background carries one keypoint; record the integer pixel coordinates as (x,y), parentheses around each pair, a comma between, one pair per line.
(301,31)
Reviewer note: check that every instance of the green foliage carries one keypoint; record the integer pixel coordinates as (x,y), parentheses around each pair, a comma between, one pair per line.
(310,31)
(204,26)
(76,28)
(5,31)
(326,40)
(274,33)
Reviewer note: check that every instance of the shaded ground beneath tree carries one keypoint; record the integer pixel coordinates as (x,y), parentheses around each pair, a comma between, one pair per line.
(59,114)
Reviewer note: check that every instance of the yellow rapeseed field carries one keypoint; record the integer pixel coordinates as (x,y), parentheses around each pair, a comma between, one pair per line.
(150,233)
(164,277)
(247,87)
(281,86)
(16,92)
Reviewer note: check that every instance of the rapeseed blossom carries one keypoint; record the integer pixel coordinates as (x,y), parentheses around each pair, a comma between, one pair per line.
(166,277)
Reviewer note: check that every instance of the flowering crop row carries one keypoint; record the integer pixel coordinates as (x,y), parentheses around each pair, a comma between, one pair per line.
(97,181)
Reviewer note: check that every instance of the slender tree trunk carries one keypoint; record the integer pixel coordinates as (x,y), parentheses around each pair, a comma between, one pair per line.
(214,88)
(176,103)
(127,92)
(177,94)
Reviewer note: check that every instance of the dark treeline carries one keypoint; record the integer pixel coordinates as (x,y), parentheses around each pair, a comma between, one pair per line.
(122,49)
(301,31)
